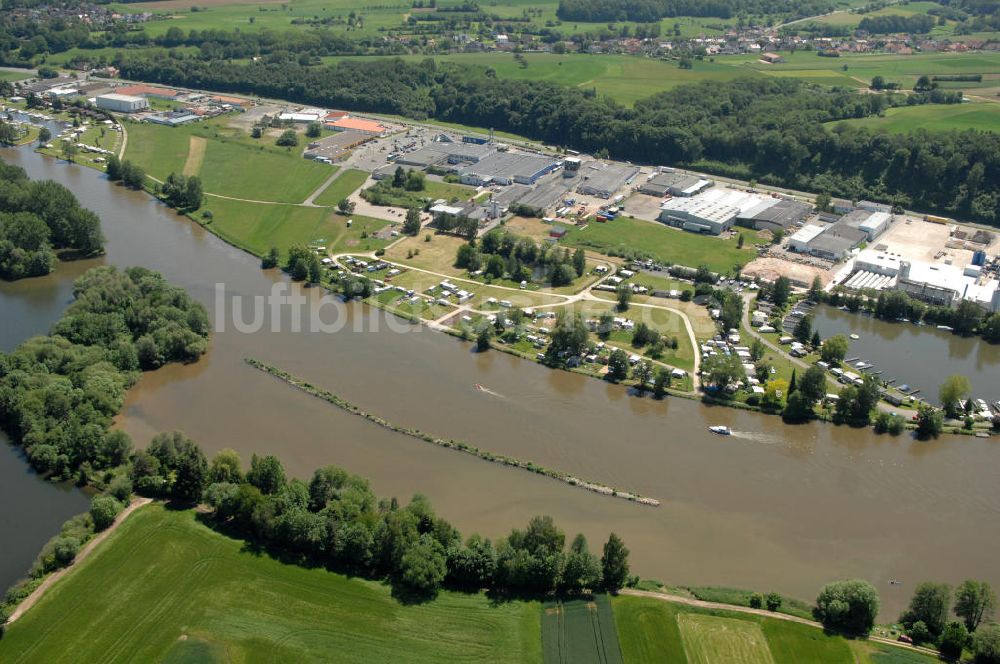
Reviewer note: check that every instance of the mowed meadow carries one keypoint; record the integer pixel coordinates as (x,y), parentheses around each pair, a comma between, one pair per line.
(651,630)
(254,189)
(164,587)
(227,160)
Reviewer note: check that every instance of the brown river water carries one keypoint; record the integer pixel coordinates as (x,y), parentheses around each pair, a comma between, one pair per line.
(773,507)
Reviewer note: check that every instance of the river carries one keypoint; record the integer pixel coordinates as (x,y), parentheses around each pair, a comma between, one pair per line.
(772,507)
(919,356)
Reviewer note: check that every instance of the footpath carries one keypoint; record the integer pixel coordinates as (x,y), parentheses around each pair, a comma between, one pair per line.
(87,549)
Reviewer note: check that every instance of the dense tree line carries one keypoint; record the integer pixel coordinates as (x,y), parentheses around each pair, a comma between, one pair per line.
(965,319)
(928,619)
(770,129)
(59,393)
(648,11)
(336,519)
(893,23)
(37,219)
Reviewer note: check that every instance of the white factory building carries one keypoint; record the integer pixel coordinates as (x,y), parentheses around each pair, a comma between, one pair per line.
(935,283)
(121,103)
(713,212)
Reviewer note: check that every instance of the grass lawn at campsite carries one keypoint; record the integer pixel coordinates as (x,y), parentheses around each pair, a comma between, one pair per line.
(651,630)
(667,245)
(256,228)
(345,185)
(437,255)
(978,115)
(166,588)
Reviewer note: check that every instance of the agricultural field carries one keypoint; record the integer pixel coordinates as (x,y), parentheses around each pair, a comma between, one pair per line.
(345,185)
(851,19)
(858,70)
(650,630)
(667,245)
(580,632)
(378,18)
(256,228)
(164,587)
(982,116)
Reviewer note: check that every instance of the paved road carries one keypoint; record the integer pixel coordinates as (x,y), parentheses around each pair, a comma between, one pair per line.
(311,201)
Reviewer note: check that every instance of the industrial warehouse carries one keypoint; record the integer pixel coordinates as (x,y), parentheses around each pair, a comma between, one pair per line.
(836,241)
(603,179)
(938,284)
(674,184)
(718,210)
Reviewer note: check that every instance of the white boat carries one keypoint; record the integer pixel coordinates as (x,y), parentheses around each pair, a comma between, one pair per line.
(946,328)
(721,430)
(854,336)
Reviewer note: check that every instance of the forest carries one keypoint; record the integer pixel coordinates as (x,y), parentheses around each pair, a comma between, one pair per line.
(774,130)
(39,219)
(887,25)
(59,393)
(647,11)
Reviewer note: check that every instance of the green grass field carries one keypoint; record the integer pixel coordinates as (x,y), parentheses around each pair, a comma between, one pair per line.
(287,178)
(256,228)
(580,632)
(668,245)
(166,588)
(278,174)
(982,116)
(159,150)
(16,75)
(651,630)
(345,185)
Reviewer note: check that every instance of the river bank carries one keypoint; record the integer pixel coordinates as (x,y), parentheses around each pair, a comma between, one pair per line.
(802,504)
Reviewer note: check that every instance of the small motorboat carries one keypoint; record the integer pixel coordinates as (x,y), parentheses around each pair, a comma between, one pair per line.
(854,336)
(946,328)
(721,429)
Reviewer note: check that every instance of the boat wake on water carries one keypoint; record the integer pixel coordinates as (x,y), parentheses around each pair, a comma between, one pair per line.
(488,391)
(757,437)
